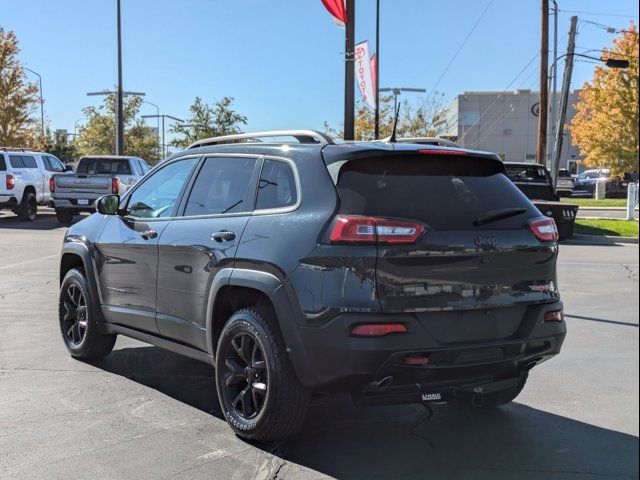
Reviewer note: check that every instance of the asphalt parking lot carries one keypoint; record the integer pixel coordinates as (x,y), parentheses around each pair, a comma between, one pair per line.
(146,413)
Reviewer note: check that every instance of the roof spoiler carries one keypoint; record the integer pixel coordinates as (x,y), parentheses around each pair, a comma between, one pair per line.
(302,136)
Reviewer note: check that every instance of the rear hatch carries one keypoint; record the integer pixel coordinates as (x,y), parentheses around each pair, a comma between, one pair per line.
(472,247)
(98,184)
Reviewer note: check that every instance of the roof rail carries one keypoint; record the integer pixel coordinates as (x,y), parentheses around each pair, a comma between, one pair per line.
(14,149)
(303,136)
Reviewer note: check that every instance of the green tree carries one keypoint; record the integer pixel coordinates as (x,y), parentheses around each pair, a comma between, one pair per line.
(97,135)
(18,98)
(605,126)
(206,121)
(57,144)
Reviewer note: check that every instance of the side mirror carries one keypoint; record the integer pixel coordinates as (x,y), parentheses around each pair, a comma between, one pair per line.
(68,168)
(108,205)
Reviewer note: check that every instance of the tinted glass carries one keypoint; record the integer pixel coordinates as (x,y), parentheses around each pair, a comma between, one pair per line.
(562,173)
(444,194)
(157,196)
(222,186)
(527,173)
(16,161)
(3,165)
(277,186)
(104,166)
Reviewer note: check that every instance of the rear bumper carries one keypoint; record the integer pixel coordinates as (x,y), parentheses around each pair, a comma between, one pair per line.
(8,201)
(72,204)
(344,362)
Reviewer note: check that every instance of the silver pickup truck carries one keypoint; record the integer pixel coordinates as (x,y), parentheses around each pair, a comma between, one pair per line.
(93,177)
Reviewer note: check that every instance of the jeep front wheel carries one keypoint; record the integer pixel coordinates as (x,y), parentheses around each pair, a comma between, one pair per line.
(259,392)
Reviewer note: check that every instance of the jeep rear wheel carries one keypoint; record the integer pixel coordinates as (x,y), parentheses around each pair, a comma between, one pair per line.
(259,392)
(28,209)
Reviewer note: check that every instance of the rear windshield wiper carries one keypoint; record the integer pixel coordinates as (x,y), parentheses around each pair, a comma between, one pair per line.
(495,215)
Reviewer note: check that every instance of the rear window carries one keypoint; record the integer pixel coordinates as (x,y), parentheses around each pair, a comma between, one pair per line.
(446,194)
(527,173)
(562,173)
(104,166)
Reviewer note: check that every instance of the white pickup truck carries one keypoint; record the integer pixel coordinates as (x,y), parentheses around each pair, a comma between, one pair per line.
(94,176)
(24,180)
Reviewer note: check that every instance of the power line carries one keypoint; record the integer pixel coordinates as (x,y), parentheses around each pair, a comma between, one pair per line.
(579,12)
(464,42)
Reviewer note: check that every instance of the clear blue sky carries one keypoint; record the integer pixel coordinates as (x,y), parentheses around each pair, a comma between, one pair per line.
(281,59)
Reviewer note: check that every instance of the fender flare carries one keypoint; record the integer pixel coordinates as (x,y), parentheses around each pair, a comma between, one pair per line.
(273,288)
(81,250)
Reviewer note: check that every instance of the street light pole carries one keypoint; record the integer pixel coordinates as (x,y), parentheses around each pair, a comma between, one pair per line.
(158,123)
(119,106)
(398,91)
(162,117)
(349,73)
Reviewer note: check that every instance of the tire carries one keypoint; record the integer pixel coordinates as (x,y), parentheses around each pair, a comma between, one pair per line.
(262,399)
(28,209)
(502,397)
(77,314)
(65,217)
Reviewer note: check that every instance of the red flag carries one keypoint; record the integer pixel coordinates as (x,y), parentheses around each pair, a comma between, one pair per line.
(337,10)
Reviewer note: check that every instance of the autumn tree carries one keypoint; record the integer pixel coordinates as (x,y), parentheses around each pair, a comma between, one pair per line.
(97,135)
(57,144)
(206,121)
(605,126)
(18,98)
(414,120)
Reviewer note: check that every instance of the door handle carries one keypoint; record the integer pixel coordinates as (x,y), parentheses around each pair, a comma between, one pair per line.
(148,234)
(223,236)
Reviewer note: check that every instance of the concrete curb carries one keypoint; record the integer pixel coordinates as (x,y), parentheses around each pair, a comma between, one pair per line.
(615,209)
(605,218)
(600,239)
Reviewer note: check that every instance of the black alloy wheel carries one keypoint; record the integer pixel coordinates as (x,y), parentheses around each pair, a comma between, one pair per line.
(246,378)
(74,320)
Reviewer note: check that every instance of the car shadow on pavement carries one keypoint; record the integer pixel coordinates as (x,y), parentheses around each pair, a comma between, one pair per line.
(46,220)
(340,440)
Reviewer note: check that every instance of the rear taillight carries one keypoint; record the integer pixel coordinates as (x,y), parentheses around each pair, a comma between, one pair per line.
(115,185)
(52,185)
(544,228)
(377,329)
(10,182)
(554,316)
(356,229)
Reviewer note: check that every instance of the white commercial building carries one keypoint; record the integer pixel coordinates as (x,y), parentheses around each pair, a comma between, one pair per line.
(503,122)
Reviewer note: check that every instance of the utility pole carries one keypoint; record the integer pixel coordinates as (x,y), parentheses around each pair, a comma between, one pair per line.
(541,154)
(554,88)
(119,106)
(349,74)
(377,72)
(564,98)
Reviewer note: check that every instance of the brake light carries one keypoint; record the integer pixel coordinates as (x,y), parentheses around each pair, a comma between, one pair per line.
(370,230)
(52,185)
(10,182)
(544,229)
(554,316)
(377,329)
(433,151)
(115,185)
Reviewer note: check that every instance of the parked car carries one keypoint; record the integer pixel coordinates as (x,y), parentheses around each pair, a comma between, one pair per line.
(94,176)
(535,182)
(24,180)
(565,183)
(586,181)
(394,272)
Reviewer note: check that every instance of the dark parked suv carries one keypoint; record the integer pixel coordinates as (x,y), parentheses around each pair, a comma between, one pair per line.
(399,273)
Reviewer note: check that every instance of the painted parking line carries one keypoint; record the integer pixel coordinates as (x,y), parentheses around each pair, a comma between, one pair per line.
(33,260)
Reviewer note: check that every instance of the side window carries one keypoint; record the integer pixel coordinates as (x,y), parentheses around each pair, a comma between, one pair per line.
(158,194)
(46,163)
(136,166)
(29,162)
(222,186)
(54,163)
(277,186)
(3,164)
(145,167)
(16,161)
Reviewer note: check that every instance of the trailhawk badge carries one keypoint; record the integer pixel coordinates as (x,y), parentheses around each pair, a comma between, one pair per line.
(431,397)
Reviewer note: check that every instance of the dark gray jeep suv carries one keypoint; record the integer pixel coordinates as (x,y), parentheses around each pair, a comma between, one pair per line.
(398,273)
